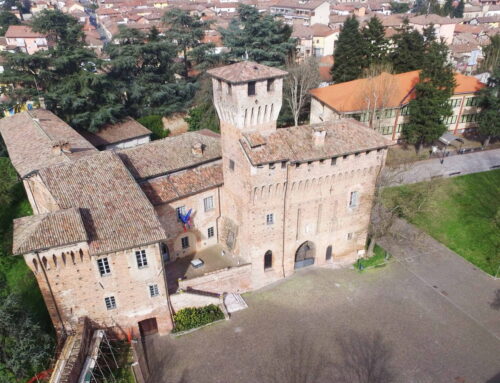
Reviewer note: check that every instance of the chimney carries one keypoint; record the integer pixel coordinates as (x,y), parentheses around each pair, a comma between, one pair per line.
(319,137)
(61,147)
(197,149)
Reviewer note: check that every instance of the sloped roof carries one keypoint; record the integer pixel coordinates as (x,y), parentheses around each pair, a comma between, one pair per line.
(115,212)
(182,184)
(296,144)
(42,231)
(245,71)
(389,91)
(44,129)
(21,31)
(115,133)
(434,19)
(170,154)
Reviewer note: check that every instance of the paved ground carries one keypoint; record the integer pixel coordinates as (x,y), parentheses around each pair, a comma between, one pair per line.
(455,165)
(326,325)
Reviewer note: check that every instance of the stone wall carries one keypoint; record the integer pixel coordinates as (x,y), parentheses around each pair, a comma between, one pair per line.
(233,279)
(185,299)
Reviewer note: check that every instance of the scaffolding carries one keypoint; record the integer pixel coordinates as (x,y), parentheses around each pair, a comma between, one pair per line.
(101,363)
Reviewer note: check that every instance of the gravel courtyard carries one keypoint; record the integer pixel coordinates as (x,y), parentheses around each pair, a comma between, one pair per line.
(326,325)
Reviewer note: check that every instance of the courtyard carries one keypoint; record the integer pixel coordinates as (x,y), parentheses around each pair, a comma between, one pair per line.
(339,325)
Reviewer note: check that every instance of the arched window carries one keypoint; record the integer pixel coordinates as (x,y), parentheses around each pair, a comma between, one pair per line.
(81,255)
(35,263)
(73,258)
(45,263)
(54,258)
(329,253)
(63,257)
(268,260)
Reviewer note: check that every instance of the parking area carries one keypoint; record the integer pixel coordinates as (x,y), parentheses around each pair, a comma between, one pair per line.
(326,325)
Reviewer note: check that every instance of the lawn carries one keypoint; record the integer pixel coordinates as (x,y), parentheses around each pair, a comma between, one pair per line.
(378,259)
(463,213)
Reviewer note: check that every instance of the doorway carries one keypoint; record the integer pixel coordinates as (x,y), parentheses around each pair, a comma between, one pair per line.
(148,327)
(304,256)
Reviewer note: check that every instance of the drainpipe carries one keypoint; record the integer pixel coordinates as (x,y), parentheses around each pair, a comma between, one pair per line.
(51,294)
(284,219)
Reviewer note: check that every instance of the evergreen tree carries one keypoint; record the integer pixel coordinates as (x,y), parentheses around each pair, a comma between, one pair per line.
(489,102)
(447,9)
(409,49)
(375,42)
(187,33)
(399,7)
(432,93)
(458,11)
(258,37)
(491,54)
(6,20)
(349,53)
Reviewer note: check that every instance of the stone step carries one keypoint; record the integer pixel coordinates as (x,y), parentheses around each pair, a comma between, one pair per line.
(234,302)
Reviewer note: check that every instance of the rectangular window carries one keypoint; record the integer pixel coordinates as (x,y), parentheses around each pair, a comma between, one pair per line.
(153,291)
(354,199)
(229,89)
(455,102)
(185,242)
(142,260)
(349,236)
(471,101)
(110,302)
(283,165)
(210,232)
(103,265)
(405,111)
(334,161)
(399,128)
(270,85)
(231,165)
(181,210)
(385,130)
(450,120)
(251,88)
(270,219)
(208,203)
(219,84)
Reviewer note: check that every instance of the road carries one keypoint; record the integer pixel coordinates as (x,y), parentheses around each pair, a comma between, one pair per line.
(452,166)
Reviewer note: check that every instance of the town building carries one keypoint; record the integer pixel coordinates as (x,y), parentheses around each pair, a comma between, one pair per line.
(22,38)
(311,11)
(113,233)
(382,102)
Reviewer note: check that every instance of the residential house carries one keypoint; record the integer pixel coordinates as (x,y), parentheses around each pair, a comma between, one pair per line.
(443,26)
(312,11)
(23,38)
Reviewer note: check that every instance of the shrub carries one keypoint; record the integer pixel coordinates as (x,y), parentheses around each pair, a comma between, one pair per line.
(155,124)
(192,317)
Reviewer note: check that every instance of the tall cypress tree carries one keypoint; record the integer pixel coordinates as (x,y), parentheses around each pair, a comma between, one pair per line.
(458,11)
(431,106)
(409,49)
(349,53)
(489,102)
(375,42)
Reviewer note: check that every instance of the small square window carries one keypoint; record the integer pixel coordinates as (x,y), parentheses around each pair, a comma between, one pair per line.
(251,88)
(283,165)
(185,242)
(334,161)
(271,165)
(229,89)
(208,203)
(110,302)
(153,290)
(103,266)
(349,236)
(231,165)
(210,232)
(270,219)
(142,260)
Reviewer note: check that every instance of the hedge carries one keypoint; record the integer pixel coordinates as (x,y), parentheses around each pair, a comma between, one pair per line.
(192,317)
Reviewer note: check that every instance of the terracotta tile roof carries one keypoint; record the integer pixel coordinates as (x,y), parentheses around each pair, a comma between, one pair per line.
(353,96)
(43,231)
(321,30)
(182,184)
(312,4)
(115,212)
(434,19)
(296,144)
(170,154)
(21,31)
(44,129)
(245,71)
(115,133)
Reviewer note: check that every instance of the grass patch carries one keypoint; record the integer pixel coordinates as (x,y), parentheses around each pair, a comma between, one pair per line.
(378,259)
(192,317)
(463,213)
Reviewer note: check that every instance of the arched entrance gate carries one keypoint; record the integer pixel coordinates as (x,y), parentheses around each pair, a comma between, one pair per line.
(305,255)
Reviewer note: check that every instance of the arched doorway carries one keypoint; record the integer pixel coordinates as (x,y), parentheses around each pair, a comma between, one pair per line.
(268,260)
(328,256)
(304,255)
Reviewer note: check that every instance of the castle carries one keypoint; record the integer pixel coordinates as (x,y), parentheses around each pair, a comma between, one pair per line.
(113,232)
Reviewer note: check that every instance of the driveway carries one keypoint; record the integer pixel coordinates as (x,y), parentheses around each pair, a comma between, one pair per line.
(452,166)
(337,325)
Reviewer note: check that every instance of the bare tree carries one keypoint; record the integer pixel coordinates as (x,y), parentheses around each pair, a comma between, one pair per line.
(301,78)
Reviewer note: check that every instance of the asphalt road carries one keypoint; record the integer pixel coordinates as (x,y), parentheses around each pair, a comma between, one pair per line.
(325,325)
(452,166)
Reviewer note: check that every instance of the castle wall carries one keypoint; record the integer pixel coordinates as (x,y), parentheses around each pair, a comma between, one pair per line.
(72,288)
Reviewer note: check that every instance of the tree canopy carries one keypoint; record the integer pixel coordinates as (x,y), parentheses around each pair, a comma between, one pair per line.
(408,51)
(489,102)
(349,53)
(376,44)
(258,37)
(6,20)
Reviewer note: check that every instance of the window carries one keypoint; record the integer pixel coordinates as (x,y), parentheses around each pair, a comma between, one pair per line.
(469,118)
(208,203)
(399,128)
(231,165)
(210,232)
(271,166)
(455,102)
(181,210)
(270,85)
(471,101)
(388,113)
(268,260)
(185,242)
(385,130)
(328,255)
(349,236)
(270,219)
(142,260)
(353,200)
(283,165)
(251,88)
(103,265)
(334,161)
(229,89)
(450,120)
(405,111)
(110,302)
(153,291)
(219,84)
